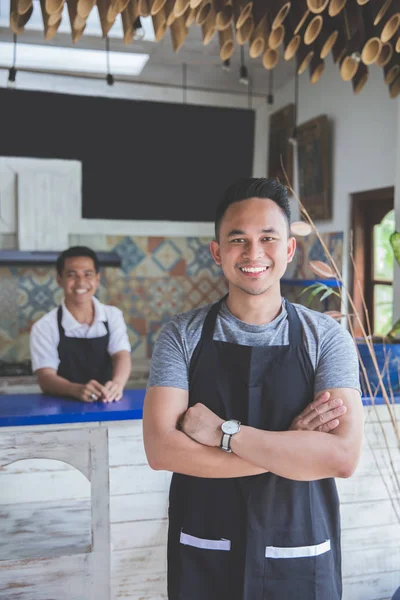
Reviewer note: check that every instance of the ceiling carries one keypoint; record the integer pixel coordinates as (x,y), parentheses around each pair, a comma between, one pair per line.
(203,65)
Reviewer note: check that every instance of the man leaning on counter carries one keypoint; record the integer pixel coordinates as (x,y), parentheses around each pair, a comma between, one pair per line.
(81,349)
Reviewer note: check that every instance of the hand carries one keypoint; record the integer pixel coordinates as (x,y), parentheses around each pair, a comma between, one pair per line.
(115,391)
(91,391)
(320,415)
(202,425)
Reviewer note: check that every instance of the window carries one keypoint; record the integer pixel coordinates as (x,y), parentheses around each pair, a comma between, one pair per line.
(382,280)
(372,224)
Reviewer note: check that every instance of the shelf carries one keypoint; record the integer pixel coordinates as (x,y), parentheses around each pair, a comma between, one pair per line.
(306,282)
(23,257)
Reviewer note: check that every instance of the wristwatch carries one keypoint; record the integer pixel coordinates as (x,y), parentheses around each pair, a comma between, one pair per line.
(229,428)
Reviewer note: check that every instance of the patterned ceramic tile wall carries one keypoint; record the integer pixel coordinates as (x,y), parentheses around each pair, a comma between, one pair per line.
(159,277)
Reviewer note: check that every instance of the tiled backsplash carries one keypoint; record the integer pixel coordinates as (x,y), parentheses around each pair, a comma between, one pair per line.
(159,278)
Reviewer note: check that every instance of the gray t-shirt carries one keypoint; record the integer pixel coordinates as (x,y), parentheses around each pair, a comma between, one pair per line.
(330,347)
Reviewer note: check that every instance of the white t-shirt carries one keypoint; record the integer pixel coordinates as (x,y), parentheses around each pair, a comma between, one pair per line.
(45,337)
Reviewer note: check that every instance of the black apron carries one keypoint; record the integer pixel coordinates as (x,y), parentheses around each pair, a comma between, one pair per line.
(261,537)
(83,359)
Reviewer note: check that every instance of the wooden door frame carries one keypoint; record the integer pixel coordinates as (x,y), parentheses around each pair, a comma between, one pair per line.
(381,201)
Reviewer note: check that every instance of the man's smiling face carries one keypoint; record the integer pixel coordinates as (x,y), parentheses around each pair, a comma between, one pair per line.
(79,279)
(254,247)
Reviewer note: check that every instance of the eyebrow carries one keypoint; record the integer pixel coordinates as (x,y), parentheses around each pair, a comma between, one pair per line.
(240,232)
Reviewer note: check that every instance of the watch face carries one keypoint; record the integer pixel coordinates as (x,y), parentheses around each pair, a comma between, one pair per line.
(230,427)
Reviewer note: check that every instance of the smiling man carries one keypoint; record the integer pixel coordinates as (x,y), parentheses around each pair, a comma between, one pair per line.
(81,349)
(254,404)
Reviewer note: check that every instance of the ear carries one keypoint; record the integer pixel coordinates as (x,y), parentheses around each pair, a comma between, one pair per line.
(58,278)
(291,249)
(215,252)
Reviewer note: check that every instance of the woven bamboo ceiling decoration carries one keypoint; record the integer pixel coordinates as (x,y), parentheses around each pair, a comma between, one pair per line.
(358,33)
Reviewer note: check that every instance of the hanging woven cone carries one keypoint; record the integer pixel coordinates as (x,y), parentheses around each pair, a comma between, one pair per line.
(270,58)
(128,17)
(241,11)
(313,30)
(169,12)
(195,3)
(259,38)
(300,20)
(77,24)
(84,7)
(303,58)
(144,8)
(224,10)
(244,32)
(278,10)
(328,36)
(335,7)
(391,70)
(360,78)
(206,11)
(21,6)
(394,88)
(157,5)
(349,67)
(208,29)
(362,2)
(102,7)
(371,51)
(181,7)
(316,68)
(291,44)
(179,32)
(18,22)
(397,45)
(190,17)
(391,25)
(317,6)
(226,43)
(54,6)
(159,24)
(385,55)
(276,37)
(50,22)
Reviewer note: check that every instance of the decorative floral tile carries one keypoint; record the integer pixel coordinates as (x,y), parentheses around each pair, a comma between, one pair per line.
(8,303)
(199,258)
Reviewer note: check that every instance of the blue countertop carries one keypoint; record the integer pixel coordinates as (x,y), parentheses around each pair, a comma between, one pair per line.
(38,409)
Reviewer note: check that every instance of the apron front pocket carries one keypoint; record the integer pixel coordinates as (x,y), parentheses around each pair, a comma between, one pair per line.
(205,568)
(292,564)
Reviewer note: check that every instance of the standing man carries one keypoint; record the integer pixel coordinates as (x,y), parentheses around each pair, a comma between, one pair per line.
(81,349)
(237,394)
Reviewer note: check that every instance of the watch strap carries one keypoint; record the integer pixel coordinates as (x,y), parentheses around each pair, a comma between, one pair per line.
(225,444)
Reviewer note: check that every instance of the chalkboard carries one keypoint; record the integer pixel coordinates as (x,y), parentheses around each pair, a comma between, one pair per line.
(141,160)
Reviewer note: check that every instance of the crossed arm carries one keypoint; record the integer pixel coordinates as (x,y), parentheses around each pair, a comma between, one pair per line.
(307,452)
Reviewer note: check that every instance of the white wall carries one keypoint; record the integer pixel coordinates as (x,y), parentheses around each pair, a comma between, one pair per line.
(366,134)
(98,87)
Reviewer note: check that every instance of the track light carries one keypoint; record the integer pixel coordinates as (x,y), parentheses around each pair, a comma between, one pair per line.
(243,72)
(12,73)
(243,76)
(226,65)
(139,32)
(109,77)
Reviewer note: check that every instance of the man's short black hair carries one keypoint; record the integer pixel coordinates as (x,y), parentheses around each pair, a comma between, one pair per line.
(252,187)
(73,252)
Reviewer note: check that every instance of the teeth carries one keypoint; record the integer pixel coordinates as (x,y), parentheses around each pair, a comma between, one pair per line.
(81,291)
(253,269)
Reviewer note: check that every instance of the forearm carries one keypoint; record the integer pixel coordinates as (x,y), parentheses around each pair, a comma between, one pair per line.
(176,452)
(298,455)
(59,386)
(121,366)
